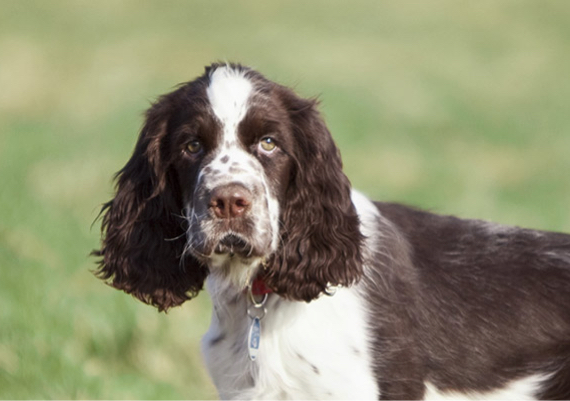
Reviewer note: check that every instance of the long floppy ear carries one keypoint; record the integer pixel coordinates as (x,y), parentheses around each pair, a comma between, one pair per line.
(320,238)
(143,235)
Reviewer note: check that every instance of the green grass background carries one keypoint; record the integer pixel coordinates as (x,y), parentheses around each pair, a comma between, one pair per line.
(459,107)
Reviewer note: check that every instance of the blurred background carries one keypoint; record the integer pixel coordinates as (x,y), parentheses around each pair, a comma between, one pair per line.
(458,107)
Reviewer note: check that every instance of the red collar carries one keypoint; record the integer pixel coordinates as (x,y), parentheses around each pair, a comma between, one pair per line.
(258,287)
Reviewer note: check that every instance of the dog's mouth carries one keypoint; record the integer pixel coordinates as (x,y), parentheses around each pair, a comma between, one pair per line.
(232,244)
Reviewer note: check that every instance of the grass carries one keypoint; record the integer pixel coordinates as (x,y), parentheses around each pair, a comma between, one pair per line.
(461,108)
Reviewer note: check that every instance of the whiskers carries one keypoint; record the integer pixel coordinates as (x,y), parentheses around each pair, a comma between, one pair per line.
(192,248)
(175,238)
(188,217)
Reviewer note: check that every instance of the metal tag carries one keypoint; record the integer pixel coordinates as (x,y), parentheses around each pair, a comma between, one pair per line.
(254,338)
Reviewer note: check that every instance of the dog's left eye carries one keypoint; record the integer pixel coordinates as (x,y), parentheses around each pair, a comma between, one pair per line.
(268,144)
(194,147)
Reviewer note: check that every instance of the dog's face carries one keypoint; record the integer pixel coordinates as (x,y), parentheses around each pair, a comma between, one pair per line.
(233,169)
(231,172)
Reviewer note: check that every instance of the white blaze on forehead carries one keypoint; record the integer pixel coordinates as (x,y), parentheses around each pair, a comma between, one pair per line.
(228,93)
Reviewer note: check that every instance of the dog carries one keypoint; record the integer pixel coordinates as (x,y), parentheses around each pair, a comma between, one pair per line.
(318,292)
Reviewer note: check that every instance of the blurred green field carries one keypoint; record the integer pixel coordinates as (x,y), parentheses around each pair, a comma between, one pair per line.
(462,108)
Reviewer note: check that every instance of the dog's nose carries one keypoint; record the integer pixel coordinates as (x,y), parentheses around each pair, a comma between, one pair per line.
(230,201)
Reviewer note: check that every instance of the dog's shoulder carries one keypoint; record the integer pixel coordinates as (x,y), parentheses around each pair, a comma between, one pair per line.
(438,232)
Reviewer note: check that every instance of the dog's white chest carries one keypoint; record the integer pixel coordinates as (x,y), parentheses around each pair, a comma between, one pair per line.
(317,350)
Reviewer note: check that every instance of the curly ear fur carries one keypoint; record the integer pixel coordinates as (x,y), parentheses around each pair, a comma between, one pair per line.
(142,236)
(320,239)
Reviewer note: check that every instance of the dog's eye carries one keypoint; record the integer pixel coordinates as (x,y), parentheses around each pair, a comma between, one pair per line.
(267,144)
(194,147)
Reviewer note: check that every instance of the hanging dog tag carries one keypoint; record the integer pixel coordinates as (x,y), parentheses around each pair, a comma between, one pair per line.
(256,311)
(254,338)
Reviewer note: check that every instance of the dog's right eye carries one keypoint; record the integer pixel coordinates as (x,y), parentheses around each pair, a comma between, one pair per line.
(268,144)
(194,147)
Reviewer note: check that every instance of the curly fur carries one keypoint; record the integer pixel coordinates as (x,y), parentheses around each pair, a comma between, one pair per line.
(321,238)
(143,235)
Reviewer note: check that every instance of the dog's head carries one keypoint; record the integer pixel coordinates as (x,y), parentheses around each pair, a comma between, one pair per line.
(231,172)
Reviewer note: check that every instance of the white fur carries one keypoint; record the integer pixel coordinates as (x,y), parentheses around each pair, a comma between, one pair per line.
(228,92)
(368,214)
(316,350)
(519,390)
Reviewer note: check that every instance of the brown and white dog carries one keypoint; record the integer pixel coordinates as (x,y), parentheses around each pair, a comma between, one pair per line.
(319,292)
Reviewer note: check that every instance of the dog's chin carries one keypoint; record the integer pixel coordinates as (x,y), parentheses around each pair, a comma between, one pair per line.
(234,245)
(236,260)
(235,270)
